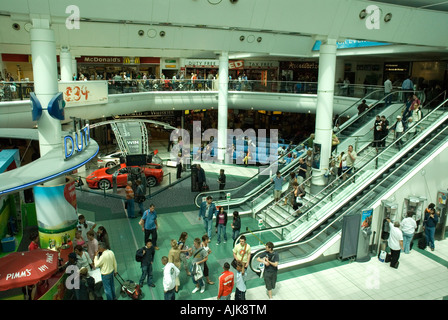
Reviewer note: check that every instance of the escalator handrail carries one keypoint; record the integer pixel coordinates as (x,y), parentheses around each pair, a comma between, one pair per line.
(255,254)
(356,172)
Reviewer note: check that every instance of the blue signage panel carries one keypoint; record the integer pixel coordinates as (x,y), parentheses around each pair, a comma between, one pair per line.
(36,107)
(56,106)
(349,44)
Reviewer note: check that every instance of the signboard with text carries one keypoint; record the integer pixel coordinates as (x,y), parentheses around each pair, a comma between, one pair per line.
(84,92)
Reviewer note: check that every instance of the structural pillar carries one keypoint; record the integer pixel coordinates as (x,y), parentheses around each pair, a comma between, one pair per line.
(74,69)
(223,81)
(324,115)
(65,63)
(55,200)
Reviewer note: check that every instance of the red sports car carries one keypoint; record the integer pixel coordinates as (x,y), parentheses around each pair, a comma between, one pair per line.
(102,178)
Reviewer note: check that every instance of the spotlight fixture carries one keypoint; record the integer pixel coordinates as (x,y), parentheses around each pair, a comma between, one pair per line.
(242,38)
(363,14)
(259,39)
(388,17)
(233,1)
(162,33)
(141,33)
(16,26)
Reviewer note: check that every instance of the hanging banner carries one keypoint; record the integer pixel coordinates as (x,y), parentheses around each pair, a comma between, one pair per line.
(131,134)
(56,212)
(366,218)
(84,92)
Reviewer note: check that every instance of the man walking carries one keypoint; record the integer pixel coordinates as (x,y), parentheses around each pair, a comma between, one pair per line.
(270,260)
(278,184)
(147,253)
(222,183)
(149,225)
(206,211)
(108,268)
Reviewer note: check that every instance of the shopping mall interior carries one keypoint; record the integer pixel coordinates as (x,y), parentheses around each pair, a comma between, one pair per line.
(157,100)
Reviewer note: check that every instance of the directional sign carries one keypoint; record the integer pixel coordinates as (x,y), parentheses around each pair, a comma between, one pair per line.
(36,107)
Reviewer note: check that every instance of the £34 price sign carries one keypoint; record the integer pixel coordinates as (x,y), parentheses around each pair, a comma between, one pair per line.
(76,93)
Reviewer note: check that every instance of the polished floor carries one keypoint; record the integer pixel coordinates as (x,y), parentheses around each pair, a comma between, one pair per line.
(421,275)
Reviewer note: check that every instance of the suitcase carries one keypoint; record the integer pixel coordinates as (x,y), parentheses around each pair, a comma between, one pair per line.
(422,243)
(129,288)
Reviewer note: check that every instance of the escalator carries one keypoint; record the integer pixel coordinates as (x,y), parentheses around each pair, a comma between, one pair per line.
(255,194)
(319,233)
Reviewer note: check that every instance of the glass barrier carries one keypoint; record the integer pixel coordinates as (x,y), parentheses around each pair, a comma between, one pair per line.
(372,159)
(20,90)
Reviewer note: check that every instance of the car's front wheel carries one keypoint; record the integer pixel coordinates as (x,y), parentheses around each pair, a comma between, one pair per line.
(110,164)
(151,181)
(104,184)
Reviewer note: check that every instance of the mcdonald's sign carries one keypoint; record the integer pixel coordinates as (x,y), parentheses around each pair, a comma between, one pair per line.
(126,60)
(129,60)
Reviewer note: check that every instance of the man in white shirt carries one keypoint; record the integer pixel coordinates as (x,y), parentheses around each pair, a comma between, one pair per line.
(398,127)
(387,91)
(395,243)
(108,267)
(170,272)
(408,226)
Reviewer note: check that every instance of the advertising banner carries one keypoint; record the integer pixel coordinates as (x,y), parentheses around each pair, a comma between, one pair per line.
(84,92)
(56,212)
(131,134)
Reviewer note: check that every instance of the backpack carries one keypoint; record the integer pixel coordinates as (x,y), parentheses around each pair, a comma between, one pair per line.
(139,255)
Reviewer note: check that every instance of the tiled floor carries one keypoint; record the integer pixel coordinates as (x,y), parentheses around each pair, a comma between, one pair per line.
(421,274)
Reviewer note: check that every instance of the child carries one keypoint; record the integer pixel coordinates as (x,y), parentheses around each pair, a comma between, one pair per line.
(79,240)
(240,291)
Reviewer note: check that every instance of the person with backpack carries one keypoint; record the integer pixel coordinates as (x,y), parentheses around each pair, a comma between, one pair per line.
(145,256)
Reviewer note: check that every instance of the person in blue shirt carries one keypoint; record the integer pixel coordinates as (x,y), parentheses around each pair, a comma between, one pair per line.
(278,184)
(430,223)
(207,211)
(149,225)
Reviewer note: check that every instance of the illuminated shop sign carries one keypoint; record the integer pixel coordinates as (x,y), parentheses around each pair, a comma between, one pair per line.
(77,140)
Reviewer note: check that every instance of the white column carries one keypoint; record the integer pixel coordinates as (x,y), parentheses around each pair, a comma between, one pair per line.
(324,111)
(65,64)
(223,81)
(74,68)
(45,73)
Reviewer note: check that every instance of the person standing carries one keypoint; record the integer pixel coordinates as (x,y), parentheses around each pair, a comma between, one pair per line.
(149,225)
(222,183)
(242,251)
(174,257)
(199,257)
(179,167)
(170,273)
(301,171)
(241,275)
(84,226)
(398,127)
(226,282)
(270,260)
(278,184)
(377,132)
(140,195)
(395,243)
(207,211)
(130,200)
(184,251)
(387,92)
(236,225)
(407,85)
(362,107)
(108,268)
(384,131)
(221,223)
(202,181)
(429,224)
(350,158)
(408,227)
(147,253)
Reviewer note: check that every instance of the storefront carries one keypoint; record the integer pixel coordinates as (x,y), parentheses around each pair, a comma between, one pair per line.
(103,67)
(306,71)
(17,66)
(397,71)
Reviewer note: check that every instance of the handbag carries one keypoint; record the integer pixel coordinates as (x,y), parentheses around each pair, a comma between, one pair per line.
(197,272)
